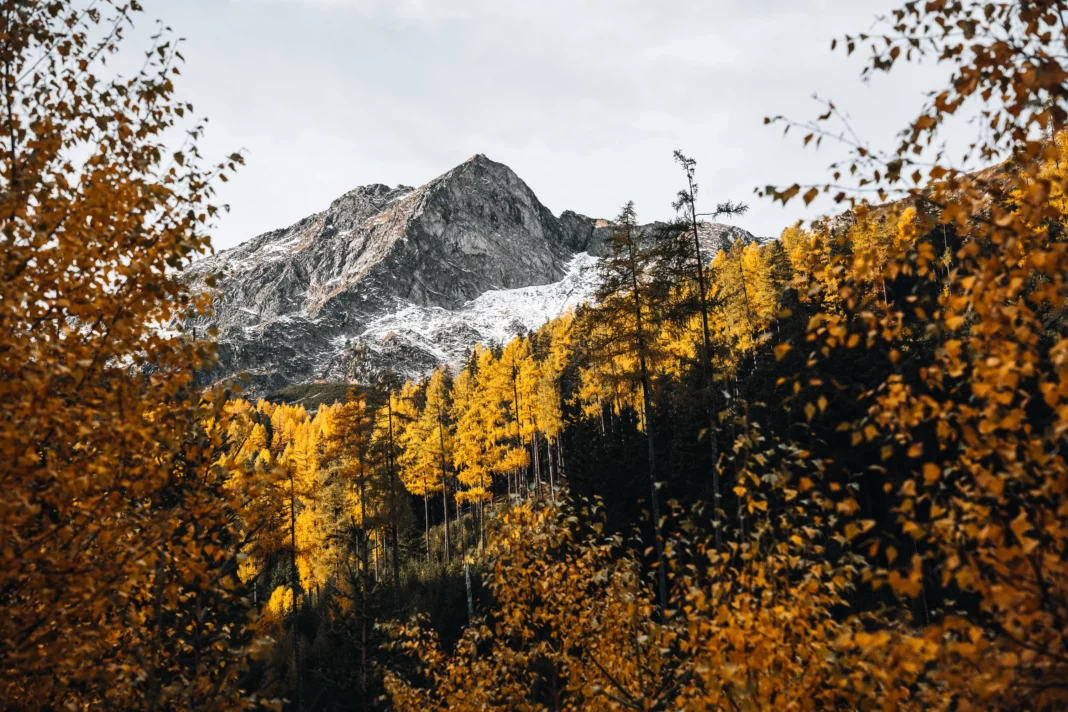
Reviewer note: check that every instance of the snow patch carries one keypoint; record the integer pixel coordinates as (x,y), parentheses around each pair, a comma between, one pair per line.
(493,318)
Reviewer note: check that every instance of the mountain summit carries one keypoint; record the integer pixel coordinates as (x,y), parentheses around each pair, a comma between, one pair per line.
(408,278)
(292,303)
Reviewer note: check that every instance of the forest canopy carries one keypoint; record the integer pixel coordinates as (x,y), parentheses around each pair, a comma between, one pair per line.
(821,471)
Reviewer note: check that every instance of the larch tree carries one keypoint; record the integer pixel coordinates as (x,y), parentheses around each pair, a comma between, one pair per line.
(497,383)
(686,203)
(388,429)
(629,316)
(477,454)
(548,399)
(506,383)
(420,469)
(350,452)
(528,378)
(437,418)
(301,462)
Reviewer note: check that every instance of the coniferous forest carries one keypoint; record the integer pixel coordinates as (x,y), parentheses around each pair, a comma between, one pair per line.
(823,471)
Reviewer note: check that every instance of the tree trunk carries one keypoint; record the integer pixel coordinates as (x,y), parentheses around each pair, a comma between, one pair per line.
(470,600)
(659,535)
(426,518)
(552,467)
(515,417)
(445,508)
(536,446)
(463,531)
(444,484)
(294,582)
(363,580)
(482,515)
(393,504)
(713,435)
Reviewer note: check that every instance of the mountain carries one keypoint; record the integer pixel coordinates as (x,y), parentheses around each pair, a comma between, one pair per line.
(407,278)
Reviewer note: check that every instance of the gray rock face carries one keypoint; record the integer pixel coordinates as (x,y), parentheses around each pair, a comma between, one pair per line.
(292,303)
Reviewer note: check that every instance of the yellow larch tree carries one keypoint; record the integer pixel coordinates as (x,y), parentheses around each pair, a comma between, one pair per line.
(548,399)
(477,454)
(420,462)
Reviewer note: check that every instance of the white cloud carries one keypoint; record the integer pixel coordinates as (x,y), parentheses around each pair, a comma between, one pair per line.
(585,100)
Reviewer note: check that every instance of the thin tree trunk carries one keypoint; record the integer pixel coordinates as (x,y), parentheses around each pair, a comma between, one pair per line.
(374,549)
(444,485)
(650,437)
(552,466)
(537,464)
(515,417)
(470,600)
(393,503)
(445,523)
(426,517)
(482,514)
(713,435)
(363,616)
(463,531)
(363,580)
(294,581)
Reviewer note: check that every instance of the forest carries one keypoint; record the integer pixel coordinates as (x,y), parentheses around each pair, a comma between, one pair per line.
(823,471)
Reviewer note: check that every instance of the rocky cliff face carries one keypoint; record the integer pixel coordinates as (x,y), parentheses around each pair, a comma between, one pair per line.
(407,278)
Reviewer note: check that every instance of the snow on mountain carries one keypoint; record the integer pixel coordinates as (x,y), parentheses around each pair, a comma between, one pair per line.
(443,336)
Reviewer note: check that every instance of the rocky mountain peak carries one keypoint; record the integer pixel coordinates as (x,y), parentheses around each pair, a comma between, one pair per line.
(408,278)
(293,302)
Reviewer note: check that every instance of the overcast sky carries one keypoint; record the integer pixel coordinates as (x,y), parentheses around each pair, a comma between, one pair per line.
(584,99)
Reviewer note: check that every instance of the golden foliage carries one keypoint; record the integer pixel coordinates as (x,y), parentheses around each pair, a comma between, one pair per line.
(118,525)
(970,420)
